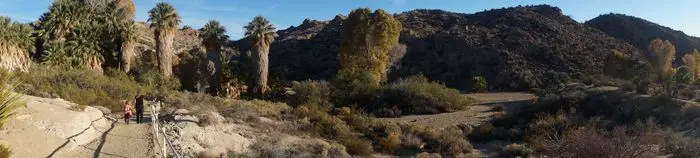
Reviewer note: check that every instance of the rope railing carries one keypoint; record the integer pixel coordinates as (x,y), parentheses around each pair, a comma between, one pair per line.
(156,126)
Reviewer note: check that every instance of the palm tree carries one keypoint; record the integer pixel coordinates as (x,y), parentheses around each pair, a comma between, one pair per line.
(164,20)
(129,35)
(16,43)
(62,17)
(214,36)
(128,32)
(84,48)
(262,34)
(9,100)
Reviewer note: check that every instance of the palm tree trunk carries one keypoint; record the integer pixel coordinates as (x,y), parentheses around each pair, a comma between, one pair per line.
(13,58)
(127,55)
(261,57)
(214,55)
(95,64)
(164,45)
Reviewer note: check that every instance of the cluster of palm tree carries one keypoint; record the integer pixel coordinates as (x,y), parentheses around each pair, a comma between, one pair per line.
(99,34)
(16,43)
(78,33)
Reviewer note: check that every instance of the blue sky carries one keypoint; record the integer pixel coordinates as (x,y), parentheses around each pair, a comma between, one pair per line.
(681,15)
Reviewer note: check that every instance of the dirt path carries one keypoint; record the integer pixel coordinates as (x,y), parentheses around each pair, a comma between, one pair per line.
(121,140)
(475,115)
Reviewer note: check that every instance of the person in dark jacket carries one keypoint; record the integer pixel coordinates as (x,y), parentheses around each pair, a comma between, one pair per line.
(139,108)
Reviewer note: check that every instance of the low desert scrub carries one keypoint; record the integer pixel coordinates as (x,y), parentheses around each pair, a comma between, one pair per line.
(516,150)
(417,95)
(84,87)
(620,142)
(361,147)
(311,92)
(682,146)
(241,109)
(274,147)
(449,141)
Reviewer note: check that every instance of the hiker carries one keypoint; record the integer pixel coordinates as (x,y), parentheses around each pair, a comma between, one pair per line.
(139,108)
(127,111)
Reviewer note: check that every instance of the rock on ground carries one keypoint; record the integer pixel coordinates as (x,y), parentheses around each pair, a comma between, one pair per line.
(48,126)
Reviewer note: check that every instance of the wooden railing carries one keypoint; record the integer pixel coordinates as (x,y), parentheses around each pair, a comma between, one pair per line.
(155,108)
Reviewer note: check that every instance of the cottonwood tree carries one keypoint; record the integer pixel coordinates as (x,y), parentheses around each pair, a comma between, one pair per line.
(692,61)
(364,52)
(662,54)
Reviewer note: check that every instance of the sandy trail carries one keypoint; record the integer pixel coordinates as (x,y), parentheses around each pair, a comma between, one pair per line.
(475,115)
(121,140)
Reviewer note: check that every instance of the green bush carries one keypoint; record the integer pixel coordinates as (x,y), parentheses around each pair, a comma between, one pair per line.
(416,95)
(80,86)
(311,92)
(479,84)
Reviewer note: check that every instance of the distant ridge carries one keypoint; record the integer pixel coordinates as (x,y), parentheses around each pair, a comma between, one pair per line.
(640,32)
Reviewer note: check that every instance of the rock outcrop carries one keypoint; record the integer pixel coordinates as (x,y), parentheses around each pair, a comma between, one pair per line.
(47,127)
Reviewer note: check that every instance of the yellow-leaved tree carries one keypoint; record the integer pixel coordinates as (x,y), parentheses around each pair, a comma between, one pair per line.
(662,54)
(364,52)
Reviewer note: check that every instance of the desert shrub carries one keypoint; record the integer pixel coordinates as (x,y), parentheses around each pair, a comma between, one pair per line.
(479,84)
(5,151)
(386,135)
(547,131)
(682,146)
(156,84)
(241,109)
(595,142)
(323,123)
(516,150)
(416,95)
(482,131)
(447,141)
(311,91)
(84,87)
(275,147)
(357,146)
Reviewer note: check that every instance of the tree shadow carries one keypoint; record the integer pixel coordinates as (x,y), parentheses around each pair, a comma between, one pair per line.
(73,136)
(103,139)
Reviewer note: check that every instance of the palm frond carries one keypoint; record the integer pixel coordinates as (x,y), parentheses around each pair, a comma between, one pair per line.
(9,100)
(164,17)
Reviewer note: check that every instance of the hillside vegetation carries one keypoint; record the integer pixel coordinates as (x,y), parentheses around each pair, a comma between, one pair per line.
(512,48)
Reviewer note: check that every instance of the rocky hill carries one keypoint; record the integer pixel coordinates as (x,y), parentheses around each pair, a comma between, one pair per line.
(640,32)
(513,48)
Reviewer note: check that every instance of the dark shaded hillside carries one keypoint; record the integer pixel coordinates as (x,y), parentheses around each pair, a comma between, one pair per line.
(640,32)
(513,48)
